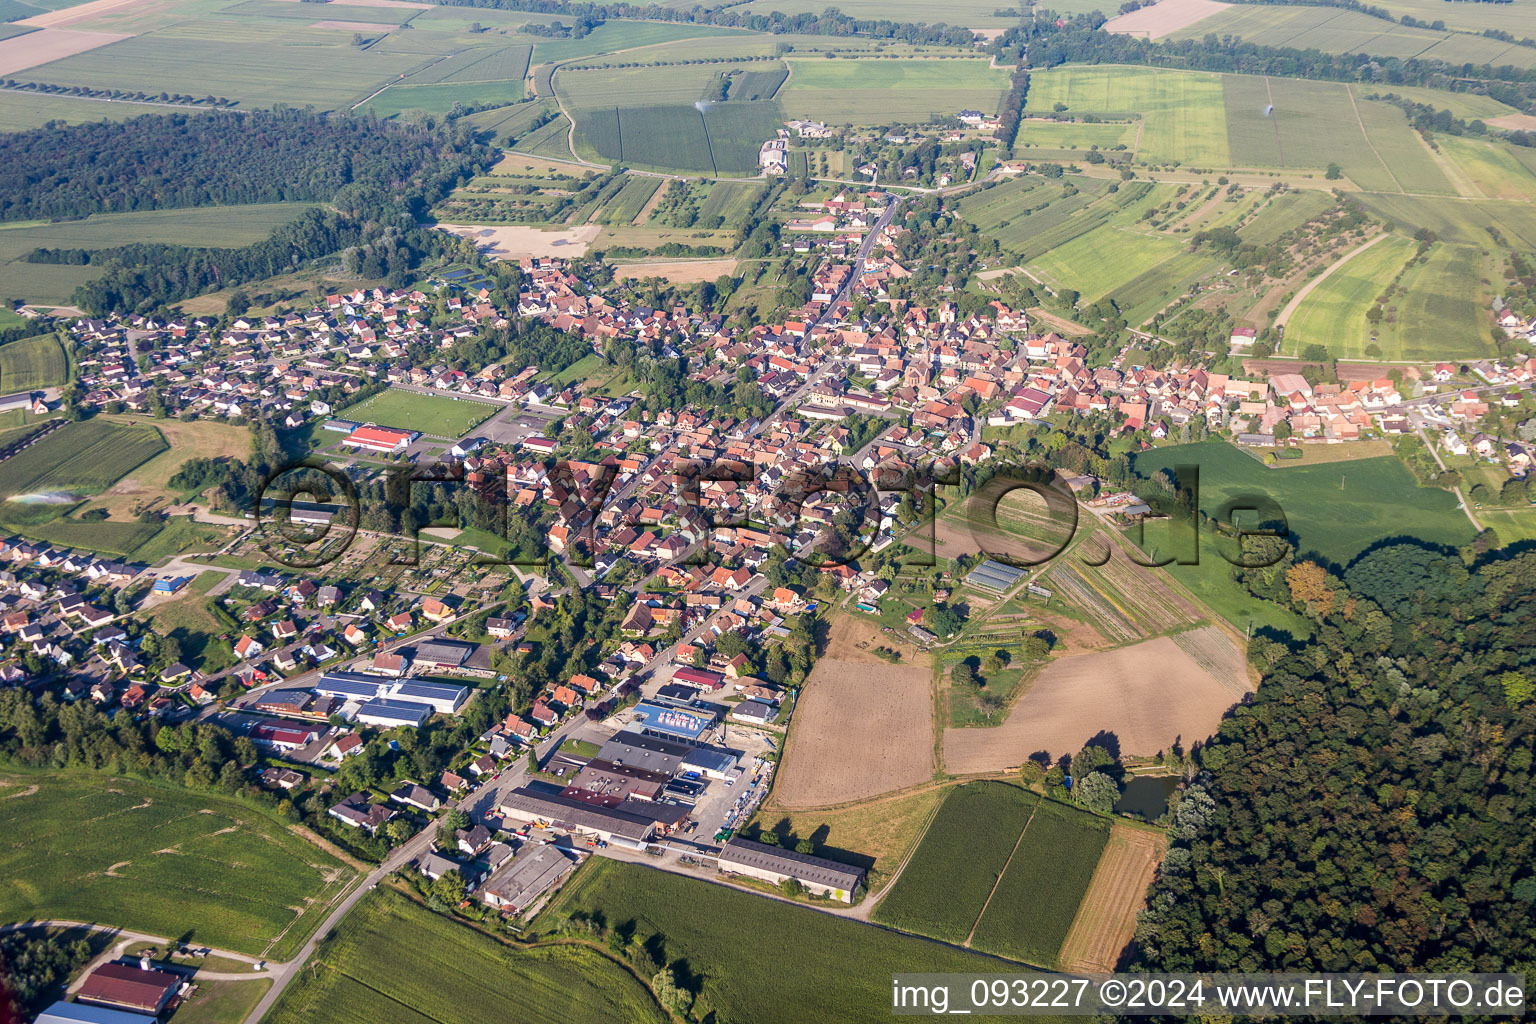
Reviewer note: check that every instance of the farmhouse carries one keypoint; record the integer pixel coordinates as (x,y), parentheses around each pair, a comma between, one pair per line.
(383,440)
(819,875)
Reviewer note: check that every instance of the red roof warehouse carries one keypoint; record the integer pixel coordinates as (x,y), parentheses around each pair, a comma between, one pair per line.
(129,988)
(381,439)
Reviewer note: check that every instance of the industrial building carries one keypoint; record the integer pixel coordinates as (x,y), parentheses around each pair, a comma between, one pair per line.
(527,876)
(382,440)
(390,713)
(772,864)
(81,1013)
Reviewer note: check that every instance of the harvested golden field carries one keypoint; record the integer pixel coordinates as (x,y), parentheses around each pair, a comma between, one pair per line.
(1106,919)
(510,242)
(678,271)
(1149,695)
(860,730)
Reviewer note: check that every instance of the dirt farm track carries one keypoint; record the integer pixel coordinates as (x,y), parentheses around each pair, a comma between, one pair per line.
(1149,695)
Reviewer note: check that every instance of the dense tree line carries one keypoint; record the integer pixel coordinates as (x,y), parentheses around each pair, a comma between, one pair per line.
(1367,808)
(162,161)
(830,22)
(33,968)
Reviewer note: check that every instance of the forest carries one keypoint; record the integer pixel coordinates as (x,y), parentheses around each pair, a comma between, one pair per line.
(163,161)
(1368,808)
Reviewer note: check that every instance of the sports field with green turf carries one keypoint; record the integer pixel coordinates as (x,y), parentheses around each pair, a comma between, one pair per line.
(96,847)
(437,415)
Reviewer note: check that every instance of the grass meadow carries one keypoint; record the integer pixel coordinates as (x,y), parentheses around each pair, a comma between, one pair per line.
(1435,312)
(171,862)
(1336,510)
(437,415)
(391,955)
(216,226)
(881,90)
(1182,112)
(956,865)
(1038,896)
(1333,314)
(32,363)
(821,967)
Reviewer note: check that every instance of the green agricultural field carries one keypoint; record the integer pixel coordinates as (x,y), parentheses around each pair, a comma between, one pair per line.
(215,226)
(1283,213)
(20,111)
(491,64)
(723,138)
(256,62)
(634,87)
(1183,113)
(953,870)
(626,205)
(111,537)
(1076,134)
(441,98)
(89,847)
(1037,898)
(1336,510)
(757,85)
(1490,168)
(1468,105)
(1333,30)
(437,415)
(880,90)
(822,968)
(625,35)
(80,458)
(1439,311)
(32,363)
(731,203)
(394,960)
(1459,222)
(550,140)
(1334,313)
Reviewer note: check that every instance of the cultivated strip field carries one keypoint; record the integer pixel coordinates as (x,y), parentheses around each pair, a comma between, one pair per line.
(1106,920)
(1150,695)
(956,866)
(1165,18)
(1037,898)
(21,52)
(859,730)
(80,458)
